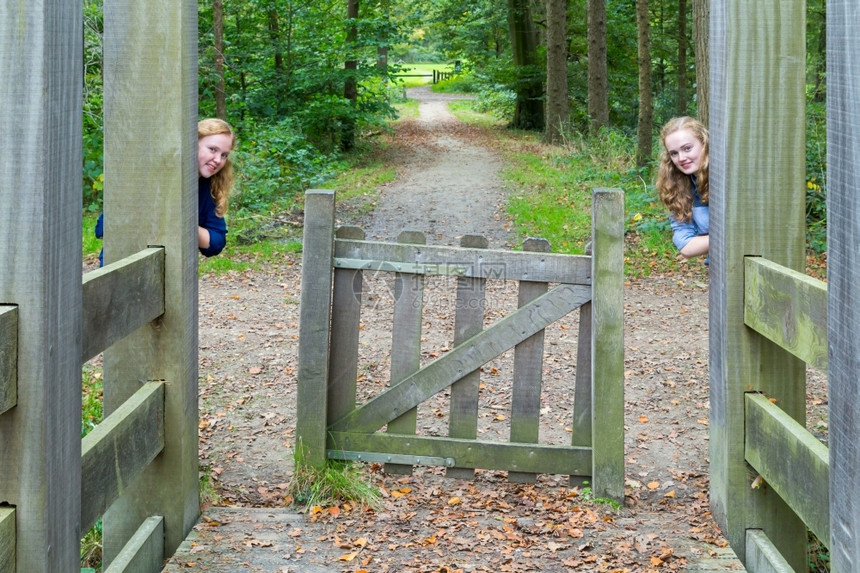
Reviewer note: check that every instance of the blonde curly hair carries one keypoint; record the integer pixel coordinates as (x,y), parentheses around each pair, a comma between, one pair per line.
(673,186)
(221,182)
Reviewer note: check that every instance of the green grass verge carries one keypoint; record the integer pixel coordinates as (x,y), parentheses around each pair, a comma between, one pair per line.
(335,483)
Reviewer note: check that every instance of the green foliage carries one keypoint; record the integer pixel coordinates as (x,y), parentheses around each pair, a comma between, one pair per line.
(91,415)
(816,176)
(336,482)
(275,162)
(92,400)
(496,100)
(461,84)
(93,100)
(818,555)
(91,548)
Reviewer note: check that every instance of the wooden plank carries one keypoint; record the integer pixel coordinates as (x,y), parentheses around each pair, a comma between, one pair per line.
(763,556)
(406,340)
(150,199)
(468,321)
(467,262)
(472,354)
(144,551)
(118,450)
(107,318)
(315,325)
(345,322)
(538,458)
(607,343)
(8,357)
(787,307)
(791,460)
(40,272)
(7,540)
(581,425)
(757,208)
(843,281)
(528,371)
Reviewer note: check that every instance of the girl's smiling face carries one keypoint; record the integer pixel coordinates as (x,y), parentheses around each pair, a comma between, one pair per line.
(212,153)
(685,150)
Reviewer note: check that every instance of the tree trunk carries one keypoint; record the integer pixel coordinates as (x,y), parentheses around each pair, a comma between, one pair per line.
(682,57)
(529,112)
(598,82)
(701,33)
(556,70)
(218,33)
(350,90)
(646,105)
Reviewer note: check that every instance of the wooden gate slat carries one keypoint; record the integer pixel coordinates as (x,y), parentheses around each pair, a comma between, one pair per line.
(539,458)
(465,358)
(468,321)
(345,320)
(457,261)
(528,369)
(406,340)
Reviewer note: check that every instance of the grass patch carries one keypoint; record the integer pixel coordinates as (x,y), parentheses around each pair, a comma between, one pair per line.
(251,255)
(337,482)
(92,413)
(465,111)
(407,108)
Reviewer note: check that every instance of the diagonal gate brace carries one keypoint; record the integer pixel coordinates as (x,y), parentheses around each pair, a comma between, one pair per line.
(465,358)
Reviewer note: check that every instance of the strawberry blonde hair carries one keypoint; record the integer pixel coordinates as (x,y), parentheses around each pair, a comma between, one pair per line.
(221,182)
(673,186)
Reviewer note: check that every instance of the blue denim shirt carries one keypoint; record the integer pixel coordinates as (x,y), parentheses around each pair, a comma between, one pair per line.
(683,232)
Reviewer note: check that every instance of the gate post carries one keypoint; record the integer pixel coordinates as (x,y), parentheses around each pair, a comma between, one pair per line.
(150,94)
(40,274)
(757,208)
(843,278)
(607,343)
(315,326)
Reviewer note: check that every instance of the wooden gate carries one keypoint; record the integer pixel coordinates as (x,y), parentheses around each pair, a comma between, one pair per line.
(331,425)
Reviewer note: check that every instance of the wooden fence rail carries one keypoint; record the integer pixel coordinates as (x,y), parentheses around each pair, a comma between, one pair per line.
(790,309)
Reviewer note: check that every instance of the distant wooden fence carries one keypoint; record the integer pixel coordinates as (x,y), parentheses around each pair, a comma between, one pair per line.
(138,470)
(436,75)
(772,481)
(330,425)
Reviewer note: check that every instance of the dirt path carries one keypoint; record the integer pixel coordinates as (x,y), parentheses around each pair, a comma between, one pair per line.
(449,186)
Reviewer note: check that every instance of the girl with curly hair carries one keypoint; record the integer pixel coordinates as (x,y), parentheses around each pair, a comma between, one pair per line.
(682,183)
(215,140)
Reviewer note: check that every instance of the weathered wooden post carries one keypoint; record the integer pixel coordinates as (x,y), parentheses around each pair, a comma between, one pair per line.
(757,200)
(315,326)
(607,343)
(150,69)
(843,278)
(40,282)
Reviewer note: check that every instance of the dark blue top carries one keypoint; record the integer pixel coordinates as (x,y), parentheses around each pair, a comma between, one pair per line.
(206,218)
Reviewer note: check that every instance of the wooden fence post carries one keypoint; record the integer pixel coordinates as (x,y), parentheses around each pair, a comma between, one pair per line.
(150,86)
(757,208)
(607,346)
(40,273)
(843,282)
(315,326)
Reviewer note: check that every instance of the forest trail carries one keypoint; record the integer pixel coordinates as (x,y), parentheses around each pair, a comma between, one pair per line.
(448,185)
